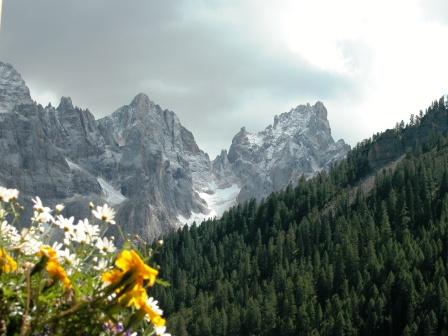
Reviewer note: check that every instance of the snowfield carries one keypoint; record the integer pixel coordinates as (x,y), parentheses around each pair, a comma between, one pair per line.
(218,201)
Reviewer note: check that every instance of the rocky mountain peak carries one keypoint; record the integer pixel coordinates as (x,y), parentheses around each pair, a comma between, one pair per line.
(299,143)
(13,90)
(301,115)
(321,110)
(141,102)
(65,104)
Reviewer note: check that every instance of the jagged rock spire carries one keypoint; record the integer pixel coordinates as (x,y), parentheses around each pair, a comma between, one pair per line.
(13,90)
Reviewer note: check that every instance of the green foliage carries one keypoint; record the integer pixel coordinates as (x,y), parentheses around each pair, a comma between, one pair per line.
(335,255)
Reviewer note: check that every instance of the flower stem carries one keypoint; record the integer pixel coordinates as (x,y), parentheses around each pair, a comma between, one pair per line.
(25,328)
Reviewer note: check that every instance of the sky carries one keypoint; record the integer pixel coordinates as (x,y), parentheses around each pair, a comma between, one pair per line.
(224,64)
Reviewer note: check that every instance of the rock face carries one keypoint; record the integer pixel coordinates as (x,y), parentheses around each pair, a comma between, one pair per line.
(141,160)
(13,90)
(155,160)
(298,143)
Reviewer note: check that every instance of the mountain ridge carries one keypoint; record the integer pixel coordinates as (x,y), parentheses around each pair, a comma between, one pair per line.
(143,160)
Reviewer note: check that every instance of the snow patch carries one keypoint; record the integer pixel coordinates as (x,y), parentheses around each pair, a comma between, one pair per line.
(73,166)
(254,139)
(194,218)
(218,201)
(112,195)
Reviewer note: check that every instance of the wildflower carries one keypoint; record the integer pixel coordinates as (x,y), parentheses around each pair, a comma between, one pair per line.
(130,261)
(105,213)
(101,264)
(156,320)
(29,241)
(105,245)
(59,208)
(7,195)
(56,271)
(9,233)
(39,207)
(42,217)
(138,298)
(53,267)
(48,252)
(154,304)
(57,247)
(135,297)
(7,263)
(85,233)
(160,331)
(66,224)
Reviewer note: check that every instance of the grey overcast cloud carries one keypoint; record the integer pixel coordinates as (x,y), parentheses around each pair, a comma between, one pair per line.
(223,64)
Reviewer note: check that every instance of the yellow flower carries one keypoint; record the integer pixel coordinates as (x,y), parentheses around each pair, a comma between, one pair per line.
(153,314)
(158,321)
(7,264)
(128,261)
(136,297)
(54,269)
(48,252)
(112,277)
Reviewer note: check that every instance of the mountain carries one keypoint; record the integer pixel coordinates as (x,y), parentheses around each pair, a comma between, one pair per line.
(13,90)
(299,143)
(141,160)
(358,250)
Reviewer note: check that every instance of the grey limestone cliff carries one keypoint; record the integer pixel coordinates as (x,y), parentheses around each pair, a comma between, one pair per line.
(141,160)
(299,143)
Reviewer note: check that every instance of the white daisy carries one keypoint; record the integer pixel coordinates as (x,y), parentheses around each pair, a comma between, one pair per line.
(160,331)
(6,195)
(59,207)
(91,230)
(100,264)
(105,245)
(39,207)
(154,304)
(9,233)
(66,224)
(67,238)
(68,257)
(42,217)
(30,242)
(57,247)
(85,233)
(104,213)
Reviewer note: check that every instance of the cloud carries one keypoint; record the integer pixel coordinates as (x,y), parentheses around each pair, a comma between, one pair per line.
(43,96)
(224,64)
(436,10)
(1,6)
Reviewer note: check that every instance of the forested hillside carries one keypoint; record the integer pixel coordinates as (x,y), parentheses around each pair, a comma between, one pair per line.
(322,257)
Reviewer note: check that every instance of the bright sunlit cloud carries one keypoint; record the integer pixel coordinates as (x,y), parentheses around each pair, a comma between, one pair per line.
(393,52)
(396,55)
